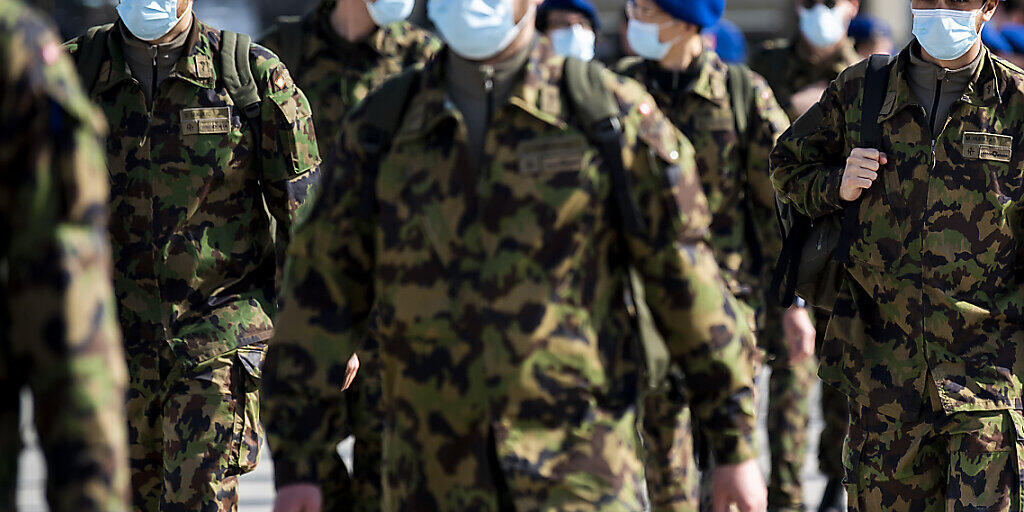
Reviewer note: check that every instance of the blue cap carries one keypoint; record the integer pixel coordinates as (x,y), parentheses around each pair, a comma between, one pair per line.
(997,41)
(730,43)
(866,27)
(581,6)
(702,13)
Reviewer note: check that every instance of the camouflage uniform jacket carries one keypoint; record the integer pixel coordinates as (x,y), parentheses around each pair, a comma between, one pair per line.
(786,65)
(58,327)
(336,74)
(733,167)
(194,252)
(497,297)
(934,290)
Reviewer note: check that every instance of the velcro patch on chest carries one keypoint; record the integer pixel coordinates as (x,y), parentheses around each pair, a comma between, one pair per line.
(715,123)
(552,154)
(988,146)
(202,121)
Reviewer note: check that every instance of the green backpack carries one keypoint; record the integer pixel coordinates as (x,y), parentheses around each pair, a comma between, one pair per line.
(235,72)
(599,112)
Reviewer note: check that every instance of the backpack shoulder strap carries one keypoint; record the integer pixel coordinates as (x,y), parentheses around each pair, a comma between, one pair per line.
(876,81)
(92,48)
(598,111)
(236,73)
(383,114)
(741,96)
(290,34)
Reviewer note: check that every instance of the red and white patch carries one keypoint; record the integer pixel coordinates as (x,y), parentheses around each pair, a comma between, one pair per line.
(645,109)
(51,52)
(280,82)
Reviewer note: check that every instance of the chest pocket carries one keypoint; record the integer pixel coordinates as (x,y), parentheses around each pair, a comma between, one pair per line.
(556,177)
(713,130)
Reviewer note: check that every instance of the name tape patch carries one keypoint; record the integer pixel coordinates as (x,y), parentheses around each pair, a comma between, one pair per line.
(202,121)
(552,155)
(988,146)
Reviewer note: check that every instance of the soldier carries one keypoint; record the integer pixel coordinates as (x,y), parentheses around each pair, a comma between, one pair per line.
(208,135)
(338,54)
(926,331)
(731,116)
(471,227)
(798,70)
(571,26)
(58,329)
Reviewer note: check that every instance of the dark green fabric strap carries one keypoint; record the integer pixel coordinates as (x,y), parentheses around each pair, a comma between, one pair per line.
(92,49)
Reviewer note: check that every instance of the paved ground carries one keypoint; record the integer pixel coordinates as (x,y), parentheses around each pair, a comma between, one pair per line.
(257,489)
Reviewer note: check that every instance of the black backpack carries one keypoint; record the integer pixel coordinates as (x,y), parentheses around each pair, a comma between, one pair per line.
(235,72)
(815,251)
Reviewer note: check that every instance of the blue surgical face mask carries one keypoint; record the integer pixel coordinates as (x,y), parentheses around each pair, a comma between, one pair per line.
(386,12)
(645,39)
(946,34)
(149,20)
(575,41)
(821,26)
(476,29)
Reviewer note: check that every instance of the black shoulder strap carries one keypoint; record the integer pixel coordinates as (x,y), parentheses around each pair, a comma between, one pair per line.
(383,113)
(741,98)
(290,36)
(876,83)
(598,111)
(236,73)
(92,48)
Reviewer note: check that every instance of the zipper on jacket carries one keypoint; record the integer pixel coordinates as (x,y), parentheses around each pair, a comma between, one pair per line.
(935,111)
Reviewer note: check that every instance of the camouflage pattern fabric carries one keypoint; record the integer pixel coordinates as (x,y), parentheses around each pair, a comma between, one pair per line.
(938,463)
(195,256)
(787,66)
(336,75)
(670,460)
(58,327)
(497,297)
(932,301)
(733,169)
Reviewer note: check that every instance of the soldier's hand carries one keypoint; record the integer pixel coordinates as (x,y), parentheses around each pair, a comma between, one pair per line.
(861,172)
(298,498)
(350,371)
(740,486)
(800,334)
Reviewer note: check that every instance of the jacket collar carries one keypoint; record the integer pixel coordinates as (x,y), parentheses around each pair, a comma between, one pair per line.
(981,91)
(196,65)
(538,93)
(711,82)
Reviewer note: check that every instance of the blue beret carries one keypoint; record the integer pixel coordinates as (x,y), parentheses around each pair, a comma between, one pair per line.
(730,43)
(702,13)
(582,6)
(998,41)
(865,27)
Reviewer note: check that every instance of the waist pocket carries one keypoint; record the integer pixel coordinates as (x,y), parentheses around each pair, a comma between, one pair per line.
(985,461)
(248,431)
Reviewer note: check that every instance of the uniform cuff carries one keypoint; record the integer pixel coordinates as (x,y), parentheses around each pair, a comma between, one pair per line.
(293,464)
(832,185)
(733,447)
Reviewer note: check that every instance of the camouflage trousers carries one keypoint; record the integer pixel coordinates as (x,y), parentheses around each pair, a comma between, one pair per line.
(192,431)
(969,461)
(362,417)
(673,479)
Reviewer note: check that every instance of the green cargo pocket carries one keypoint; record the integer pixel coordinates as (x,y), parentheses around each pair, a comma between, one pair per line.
(984,465)
(248,431)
